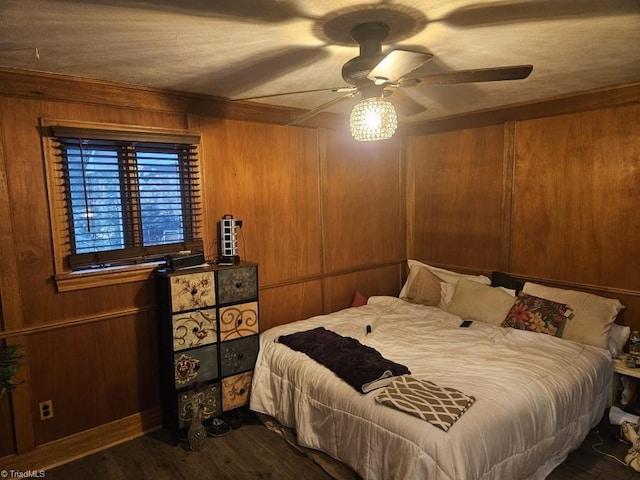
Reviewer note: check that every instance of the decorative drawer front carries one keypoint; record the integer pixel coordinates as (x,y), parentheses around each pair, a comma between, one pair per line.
(236,391)
(238,321)
(192,290)
(192,329)
(198,365)
(209,399)
(239,355)
(237,285)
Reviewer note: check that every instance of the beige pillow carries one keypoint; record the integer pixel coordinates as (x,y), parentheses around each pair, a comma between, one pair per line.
(593,316)
(475,301)
(422,287)
(447,278)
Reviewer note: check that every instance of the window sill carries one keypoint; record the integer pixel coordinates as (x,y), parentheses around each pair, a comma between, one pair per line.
(83,279)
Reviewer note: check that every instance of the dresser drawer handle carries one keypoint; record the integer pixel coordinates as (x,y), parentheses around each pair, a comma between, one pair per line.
(242,391)
(238,284)
(194,291)
(239,321)
(240,356)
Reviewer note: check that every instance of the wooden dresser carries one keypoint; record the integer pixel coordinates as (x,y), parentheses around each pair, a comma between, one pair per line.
(208,334)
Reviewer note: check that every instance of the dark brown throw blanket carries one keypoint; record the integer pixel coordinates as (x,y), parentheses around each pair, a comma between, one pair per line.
(362,367)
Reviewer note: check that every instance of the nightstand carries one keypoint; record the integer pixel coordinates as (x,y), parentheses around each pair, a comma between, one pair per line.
(620,368)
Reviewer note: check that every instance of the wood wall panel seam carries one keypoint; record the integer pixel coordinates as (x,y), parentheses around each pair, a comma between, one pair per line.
(21,399)
(508,163)
(410,195)
(10,298)
(321,164)
(12,311)
(403,189)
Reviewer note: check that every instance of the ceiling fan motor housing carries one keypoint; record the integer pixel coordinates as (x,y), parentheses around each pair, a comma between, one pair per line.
(369,36)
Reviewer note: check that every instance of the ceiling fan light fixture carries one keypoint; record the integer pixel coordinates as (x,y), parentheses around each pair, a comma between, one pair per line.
(373,119)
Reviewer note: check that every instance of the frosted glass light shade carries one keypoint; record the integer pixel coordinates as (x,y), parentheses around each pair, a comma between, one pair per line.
(373,119)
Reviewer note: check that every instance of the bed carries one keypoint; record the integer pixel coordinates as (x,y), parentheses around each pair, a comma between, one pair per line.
(536,395)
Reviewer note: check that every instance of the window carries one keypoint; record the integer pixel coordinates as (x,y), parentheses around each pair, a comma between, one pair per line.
(121,197)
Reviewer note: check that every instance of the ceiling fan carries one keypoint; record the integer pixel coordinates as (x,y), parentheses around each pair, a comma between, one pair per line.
(373,74)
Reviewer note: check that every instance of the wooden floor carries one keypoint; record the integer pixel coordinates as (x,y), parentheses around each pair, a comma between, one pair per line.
(586,463)
(254,452)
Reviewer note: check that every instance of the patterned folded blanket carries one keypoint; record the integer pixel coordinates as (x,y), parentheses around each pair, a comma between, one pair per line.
(440,406)
(362,367)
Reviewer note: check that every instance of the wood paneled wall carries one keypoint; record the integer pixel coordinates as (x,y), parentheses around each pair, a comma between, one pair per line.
(458,180)
(554,200)
(323,216)
(577,188)
(308,212)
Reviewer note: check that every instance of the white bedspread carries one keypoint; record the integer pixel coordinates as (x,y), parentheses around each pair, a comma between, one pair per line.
(537,395)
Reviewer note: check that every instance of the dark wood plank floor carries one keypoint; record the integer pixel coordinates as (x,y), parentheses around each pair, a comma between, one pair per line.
(254,452)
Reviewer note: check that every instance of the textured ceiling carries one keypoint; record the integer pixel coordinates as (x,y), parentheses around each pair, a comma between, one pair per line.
(247,48)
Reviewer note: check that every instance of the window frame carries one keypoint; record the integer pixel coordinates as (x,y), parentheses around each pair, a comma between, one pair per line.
(65,278)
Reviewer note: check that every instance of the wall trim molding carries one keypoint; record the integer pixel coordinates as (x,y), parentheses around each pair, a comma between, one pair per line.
(47,86)
(73,322)
(76,321)
(336,273)
(607,97)
(545,281)
(578,286)
(73,447)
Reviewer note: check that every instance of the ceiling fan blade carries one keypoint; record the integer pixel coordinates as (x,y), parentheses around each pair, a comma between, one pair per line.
(271,12)
(305,116)
(396,64)
(506,12)
(404,104)
(315,90)
(240,10)
(259,69)
(495,74)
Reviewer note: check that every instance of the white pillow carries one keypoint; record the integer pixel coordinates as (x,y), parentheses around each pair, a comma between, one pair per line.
(592,318)
(475,301)
(618,338)
(449,279)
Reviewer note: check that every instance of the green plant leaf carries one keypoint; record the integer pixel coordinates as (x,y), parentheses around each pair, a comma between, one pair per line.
(10,360)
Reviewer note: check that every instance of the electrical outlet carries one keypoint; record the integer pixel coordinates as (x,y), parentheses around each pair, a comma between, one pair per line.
(46,410)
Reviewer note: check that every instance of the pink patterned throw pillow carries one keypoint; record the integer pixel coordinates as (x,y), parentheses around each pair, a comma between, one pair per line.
(537,315)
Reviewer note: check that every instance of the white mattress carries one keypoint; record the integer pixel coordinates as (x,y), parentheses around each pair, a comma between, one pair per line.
(537,395)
